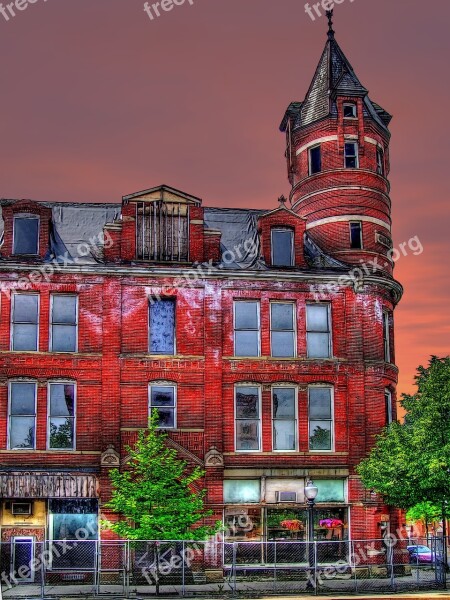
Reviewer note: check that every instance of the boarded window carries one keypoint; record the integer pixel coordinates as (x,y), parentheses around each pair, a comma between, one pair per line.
(315,160)
(248,419)
(246,328)
(282,331)
(25,319)
(162,326)
(282,248)
(356,234)
(320,418)
(284,418)
(318,331)
(163,399)
(26,235)
(22,415)
(61,416)
(64,323)
(162,231)
(351,155)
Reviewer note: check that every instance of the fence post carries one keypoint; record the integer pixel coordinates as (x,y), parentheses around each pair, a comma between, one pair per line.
(352,563)
(42,545)
(316,579)
(390,552)
(97,566)
(127,568)
(233,568)
(183,571)
(274,566)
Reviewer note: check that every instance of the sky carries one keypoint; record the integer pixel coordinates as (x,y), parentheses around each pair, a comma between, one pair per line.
(97,101)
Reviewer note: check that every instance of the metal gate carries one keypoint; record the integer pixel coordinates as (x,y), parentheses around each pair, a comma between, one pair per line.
(439,555)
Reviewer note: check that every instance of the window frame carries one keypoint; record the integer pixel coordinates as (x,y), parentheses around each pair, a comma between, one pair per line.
(74,418)
(30,216)
(354,107)
(164,384)
(51,322)
(352,246)
(258,303)
(355,156)
(293,304)
(330,331)
(296,416)
(149,341)
(10,416)
(331,420)
(381,166)
(258,386)
(387,337)
(310,169)
(13,322)
(272,246)
(389,407)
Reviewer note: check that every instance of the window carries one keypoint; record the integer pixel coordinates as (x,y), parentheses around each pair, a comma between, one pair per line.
(246,328)
(163,398)
(22,415)
(318,331)
(355,234)
(315,160)
(387,336)
(284,418)
(320,418)
(248,418)
(282,329)
(351,155)
(162,326)
(282,248)
(61,416)
(25,320)
(64,313)
(241,491)
(26,234)
(350,111)
(162,231)
(388,406)
(380,161)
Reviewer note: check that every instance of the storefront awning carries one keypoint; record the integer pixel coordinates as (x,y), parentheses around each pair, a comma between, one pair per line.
(37,484)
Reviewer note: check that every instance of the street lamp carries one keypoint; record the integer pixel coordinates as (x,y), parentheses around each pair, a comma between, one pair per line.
(311,491)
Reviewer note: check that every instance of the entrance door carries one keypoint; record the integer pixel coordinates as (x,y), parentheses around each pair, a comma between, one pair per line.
(22,555)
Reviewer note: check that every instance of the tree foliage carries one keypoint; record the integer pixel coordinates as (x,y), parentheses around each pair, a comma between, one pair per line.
(410,462)
(154,496)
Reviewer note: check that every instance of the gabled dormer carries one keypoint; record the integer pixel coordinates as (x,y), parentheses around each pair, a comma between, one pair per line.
(26,229)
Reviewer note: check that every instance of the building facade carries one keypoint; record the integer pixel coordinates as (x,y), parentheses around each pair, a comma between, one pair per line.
(263,337)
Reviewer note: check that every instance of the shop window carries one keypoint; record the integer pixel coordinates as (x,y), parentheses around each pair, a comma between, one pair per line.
(318,330)
(246,328)
(64,323)
(241,491)
(248,418)
(243,524)
(330,490)
(331,524)
(61,416)
(284,412)
(26,235)
(162,326)
(163,398)
(282,247)
(25,322)
(22,415)
(286,524)
(282,329)
(320,418)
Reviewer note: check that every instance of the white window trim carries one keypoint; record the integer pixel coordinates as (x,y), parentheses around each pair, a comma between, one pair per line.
(245,385)
(167,384)
(332,445)
(355,144)
(51,323)
(26,216)
(62,382)
(258,303)
(11,340)
(291,231)
(310,173)
(330,330)
(361,245)
(149,342)
(354,106)
(294,320)
(295,388)
(387,341)
(10,382)
(389,406)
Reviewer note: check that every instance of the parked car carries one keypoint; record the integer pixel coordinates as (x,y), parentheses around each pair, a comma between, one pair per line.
(422,555)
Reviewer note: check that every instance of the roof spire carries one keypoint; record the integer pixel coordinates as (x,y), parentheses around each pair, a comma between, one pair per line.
(330,24)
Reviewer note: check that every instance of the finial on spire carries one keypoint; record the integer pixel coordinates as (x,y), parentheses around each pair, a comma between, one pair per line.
(282,200)
(330,24)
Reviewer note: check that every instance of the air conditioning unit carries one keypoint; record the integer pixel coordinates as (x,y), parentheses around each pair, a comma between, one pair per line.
(286,496)
(21,508)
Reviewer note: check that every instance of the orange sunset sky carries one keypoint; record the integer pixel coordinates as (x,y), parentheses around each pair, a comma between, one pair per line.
(98,101)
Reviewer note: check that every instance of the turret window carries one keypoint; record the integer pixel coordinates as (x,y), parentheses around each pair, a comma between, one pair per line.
(355,234)
(282,248)
(351,155)
(26,234)
(315,160)
(350,111)
(380,161)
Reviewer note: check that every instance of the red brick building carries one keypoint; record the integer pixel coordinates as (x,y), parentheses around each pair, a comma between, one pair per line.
(264,338)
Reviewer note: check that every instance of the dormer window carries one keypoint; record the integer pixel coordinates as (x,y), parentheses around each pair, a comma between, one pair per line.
(162,231)
(26,234)
(282,248)
(350,111)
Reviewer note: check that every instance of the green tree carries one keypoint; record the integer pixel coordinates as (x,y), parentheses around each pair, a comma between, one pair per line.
(424,512)
(154,496)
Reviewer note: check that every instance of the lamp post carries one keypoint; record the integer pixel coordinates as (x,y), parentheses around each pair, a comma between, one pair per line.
(311,491)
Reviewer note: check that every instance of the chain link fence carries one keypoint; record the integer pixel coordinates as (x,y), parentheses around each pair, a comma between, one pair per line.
(216,568)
